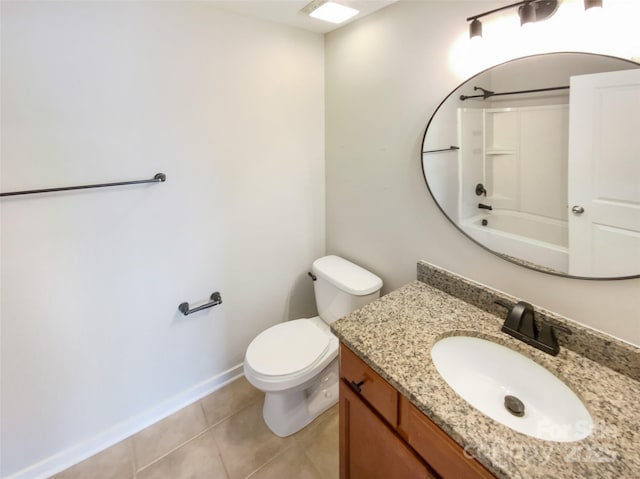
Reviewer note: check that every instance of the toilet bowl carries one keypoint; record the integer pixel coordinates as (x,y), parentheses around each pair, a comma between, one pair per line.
(295,363)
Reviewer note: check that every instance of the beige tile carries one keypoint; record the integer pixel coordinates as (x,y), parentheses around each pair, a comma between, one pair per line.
(163,436)
(246,443)
(197,459)
(320,442)
(310,429)
(229,400)
(292,463)
(113,463)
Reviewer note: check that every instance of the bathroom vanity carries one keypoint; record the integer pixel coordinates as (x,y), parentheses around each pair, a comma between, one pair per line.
(383,435)
(399,418)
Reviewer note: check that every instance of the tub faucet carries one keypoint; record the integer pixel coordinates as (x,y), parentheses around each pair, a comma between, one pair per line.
(521,324)
(482,206)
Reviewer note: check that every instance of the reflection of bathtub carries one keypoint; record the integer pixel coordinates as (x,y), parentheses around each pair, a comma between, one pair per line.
(531,238)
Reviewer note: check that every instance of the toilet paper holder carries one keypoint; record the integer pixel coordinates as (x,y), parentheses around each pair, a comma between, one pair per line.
(215,297)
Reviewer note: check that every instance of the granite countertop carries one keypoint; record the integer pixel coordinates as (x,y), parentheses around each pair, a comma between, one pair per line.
(394,336)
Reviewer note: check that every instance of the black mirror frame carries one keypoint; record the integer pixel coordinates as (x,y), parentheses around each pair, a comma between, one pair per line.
(510,259)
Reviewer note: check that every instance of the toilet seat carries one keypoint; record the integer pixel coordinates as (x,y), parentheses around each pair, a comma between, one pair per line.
(287,348)
(289,353)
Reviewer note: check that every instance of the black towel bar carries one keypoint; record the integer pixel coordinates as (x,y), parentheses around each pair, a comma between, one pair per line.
(216,299)
(158,178)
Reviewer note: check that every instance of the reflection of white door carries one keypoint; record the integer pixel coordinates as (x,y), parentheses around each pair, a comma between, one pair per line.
(604,174)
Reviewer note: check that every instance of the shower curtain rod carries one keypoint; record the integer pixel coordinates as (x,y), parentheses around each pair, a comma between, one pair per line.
(158,178)
(488,93)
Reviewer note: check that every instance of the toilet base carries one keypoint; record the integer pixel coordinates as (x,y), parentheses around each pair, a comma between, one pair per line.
(286,412)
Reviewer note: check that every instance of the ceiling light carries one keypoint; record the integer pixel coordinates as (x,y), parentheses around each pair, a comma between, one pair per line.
(329,11)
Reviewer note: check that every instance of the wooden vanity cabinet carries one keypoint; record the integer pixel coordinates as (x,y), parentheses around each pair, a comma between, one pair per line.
(384,436)
(369,448)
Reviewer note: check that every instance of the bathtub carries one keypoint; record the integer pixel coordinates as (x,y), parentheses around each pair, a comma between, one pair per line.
(534,239)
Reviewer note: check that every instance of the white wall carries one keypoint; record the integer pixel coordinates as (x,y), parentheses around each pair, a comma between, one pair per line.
(385,75)
(232,111)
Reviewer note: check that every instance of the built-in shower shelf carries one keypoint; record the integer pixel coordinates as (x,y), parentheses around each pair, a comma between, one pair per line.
(501,151)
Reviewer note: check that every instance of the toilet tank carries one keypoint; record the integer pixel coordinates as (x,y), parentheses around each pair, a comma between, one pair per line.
(342,287)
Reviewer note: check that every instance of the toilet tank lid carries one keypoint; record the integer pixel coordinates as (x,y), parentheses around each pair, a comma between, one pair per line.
(346,276)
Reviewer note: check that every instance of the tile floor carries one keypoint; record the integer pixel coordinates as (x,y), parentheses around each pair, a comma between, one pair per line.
(221,436)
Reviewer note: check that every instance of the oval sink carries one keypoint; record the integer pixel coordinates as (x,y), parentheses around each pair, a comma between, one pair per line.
(511,389)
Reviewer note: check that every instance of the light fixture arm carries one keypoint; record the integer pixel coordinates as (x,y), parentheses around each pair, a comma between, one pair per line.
(484,14)
(528,10)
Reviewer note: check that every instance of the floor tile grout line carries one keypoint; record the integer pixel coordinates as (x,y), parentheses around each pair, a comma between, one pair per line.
(132,456)
(218,445)
(310,459)
(159,458)
(204,431)
(234,413)
(293,444)
(208,427)
(174,448)
(317,464)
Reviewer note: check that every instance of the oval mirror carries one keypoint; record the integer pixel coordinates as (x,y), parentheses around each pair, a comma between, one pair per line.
(538,161)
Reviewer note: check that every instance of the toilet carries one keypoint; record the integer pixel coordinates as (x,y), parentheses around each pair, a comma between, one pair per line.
(295,363)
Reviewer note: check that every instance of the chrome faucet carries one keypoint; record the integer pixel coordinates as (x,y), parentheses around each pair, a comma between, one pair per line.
(521,324)
(482,206)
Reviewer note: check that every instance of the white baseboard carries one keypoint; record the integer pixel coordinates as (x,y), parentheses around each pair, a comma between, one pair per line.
(67,458)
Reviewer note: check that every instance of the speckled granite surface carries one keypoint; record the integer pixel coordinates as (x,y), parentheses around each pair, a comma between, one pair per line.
(394,336)
(617,355)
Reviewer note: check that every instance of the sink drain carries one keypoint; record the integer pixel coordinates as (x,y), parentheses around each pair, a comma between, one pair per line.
(514,405)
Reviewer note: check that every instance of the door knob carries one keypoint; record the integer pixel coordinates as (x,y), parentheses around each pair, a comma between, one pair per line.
(577,210)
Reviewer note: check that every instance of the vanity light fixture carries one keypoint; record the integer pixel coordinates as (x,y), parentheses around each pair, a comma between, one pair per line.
(475,28)
(529,11)
(592,4)
(329,11)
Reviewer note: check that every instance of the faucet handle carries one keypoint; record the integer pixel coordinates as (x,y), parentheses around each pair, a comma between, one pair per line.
(547,337)
(559,327)
(504,304)
(523,313)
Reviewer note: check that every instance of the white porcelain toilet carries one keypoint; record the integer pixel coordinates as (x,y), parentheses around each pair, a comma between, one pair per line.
(296,362)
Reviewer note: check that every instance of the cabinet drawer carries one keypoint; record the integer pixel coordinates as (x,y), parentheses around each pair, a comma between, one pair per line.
(441,452)
(375,390)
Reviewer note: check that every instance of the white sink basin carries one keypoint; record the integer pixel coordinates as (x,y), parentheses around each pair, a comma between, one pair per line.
(484,373)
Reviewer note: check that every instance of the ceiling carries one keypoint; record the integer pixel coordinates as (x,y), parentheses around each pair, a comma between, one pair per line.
(287,12)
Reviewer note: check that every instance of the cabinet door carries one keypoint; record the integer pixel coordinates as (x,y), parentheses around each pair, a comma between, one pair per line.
(369,449)
(441,452)
(376,391)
